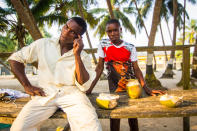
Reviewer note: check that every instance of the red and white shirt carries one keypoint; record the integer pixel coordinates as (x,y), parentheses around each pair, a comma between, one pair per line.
(111,52)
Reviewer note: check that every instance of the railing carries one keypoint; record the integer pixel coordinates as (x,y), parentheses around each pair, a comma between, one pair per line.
(184,48)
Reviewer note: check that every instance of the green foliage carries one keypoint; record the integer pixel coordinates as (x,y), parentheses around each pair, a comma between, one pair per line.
(102,14)
(41,7)
(50,19)
(191,34)
(7,44)
(100,30)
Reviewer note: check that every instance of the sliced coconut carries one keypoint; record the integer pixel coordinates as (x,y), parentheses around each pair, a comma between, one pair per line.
(170,101)
(107,101)
(132,82)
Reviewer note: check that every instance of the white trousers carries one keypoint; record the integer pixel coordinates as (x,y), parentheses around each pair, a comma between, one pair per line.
(81,114)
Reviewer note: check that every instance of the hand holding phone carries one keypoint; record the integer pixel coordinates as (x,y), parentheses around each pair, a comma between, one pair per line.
(78,45)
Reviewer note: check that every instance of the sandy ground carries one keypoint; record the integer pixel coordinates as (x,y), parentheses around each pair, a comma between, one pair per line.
(149,124)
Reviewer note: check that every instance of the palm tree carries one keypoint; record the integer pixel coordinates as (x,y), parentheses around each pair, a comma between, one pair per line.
(39,10)
(77,7)
(193,2)
(150,77)
(11,24)
(103,15)
(167,11)
(142,13)
(26,16)
(87,35)
(6,45)
(179,22)
(110,9)
(168,72)
(192,37)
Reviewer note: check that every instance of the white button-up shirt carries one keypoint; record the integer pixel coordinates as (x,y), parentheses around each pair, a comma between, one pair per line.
(55,72)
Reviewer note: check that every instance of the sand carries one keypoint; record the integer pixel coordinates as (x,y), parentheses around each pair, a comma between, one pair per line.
(145,124)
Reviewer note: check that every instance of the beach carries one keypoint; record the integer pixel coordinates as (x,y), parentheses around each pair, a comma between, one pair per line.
(145,124)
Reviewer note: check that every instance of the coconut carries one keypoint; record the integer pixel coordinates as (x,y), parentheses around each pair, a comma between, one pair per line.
(170,101)
(133,88)
(107,101)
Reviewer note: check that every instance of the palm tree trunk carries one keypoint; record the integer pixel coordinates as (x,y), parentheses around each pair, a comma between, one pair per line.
(194,63)
(168,72)
(110,9)
(141,18)
(163,41)
(27,18)
(150,77)
(20,32)
(181,81)
(168,29)
(184,22)
(87,35)
(136,6)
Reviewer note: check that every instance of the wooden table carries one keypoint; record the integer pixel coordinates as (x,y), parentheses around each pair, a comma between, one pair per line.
(148,107)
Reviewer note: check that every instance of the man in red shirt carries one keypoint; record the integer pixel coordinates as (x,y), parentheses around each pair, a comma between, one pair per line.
(120,58)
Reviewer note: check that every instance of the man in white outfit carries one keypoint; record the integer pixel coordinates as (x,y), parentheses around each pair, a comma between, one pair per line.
(62,80)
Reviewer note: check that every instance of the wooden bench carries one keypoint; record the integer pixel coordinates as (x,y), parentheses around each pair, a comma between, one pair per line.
(148,107)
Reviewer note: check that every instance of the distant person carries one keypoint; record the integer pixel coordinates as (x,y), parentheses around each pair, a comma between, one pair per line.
(63,77)
(121,63)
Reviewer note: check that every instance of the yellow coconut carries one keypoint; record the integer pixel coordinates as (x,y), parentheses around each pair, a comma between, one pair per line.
(107,101)
(170,101)
(134,89)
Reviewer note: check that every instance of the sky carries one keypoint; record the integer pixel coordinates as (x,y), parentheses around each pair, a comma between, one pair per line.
(140,39)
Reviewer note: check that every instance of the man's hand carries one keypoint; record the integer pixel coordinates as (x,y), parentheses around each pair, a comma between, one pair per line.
(33,91)
(153,92)
(78,45)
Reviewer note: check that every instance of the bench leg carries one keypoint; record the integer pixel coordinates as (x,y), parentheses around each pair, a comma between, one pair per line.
(186,124)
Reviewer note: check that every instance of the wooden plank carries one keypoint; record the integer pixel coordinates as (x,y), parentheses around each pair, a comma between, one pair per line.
(140,49)
(186,82)
(127,108)
(153,48)
(6,120)
(186,68)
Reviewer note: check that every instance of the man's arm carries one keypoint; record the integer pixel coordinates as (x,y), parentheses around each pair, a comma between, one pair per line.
(19,71)
(140,77)
(99,71)
(82,75)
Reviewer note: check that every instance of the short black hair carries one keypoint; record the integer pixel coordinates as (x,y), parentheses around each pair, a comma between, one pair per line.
(113,21)
(81,22)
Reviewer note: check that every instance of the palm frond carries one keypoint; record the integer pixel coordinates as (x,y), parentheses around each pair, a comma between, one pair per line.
(6,44)
(41,8)
(125,21)
(91,20)
(130,10)
(146,7)
(51,18)
(101,27)
(98,10)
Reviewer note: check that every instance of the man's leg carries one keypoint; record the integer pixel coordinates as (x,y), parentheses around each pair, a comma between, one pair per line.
(81,114)
(115,124)
(133,123)
(31,115)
